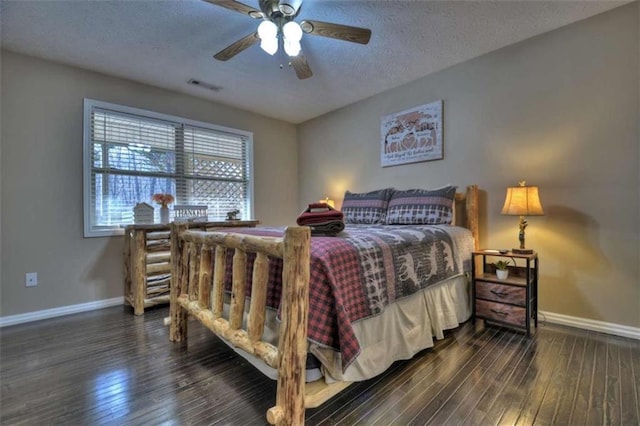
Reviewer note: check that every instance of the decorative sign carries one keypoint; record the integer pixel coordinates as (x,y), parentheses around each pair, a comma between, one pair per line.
(412,135)
(142,213)
(186,213)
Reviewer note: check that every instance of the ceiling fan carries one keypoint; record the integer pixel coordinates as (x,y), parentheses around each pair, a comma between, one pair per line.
(279,28)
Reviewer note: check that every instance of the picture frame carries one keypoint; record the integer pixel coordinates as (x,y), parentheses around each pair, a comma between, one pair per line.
(413,135)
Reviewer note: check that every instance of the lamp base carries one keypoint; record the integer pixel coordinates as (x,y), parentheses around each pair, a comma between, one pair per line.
(521,251)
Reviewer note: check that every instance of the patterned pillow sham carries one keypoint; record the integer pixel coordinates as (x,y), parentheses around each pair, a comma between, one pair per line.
(366,207)
(421,207)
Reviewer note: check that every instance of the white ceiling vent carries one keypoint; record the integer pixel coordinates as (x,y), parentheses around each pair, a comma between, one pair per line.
(205,85)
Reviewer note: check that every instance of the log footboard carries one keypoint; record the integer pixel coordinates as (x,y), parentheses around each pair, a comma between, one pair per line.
(198,290)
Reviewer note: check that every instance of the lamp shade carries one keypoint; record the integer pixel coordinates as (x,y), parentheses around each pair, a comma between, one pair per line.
(331,203)
(522,201)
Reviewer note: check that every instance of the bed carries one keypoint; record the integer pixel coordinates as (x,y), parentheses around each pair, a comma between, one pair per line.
(277,296)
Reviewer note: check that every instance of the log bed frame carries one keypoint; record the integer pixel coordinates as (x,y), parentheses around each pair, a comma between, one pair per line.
(196,291)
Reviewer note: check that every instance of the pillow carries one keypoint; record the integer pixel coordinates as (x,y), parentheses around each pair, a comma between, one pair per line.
(421,207)
(366,207)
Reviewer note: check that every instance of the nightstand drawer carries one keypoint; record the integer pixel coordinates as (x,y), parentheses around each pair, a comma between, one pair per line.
(501,312)
(501,293)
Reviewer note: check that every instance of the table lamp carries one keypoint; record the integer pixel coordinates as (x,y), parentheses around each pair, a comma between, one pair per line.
(522,201)
(331,203)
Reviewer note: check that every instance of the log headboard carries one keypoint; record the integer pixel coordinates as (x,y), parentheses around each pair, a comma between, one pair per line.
(465,212)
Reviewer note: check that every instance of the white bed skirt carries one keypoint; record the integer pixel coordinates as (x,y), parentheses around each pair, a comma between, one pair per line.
(405,327)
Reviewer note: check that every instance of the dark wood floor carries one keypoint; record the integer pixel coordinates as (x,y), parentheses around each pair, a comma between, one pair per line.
(108,367)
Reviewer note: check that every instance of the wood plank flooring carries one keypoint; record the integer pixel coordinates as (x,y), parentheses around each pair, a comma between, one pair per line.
(109,367)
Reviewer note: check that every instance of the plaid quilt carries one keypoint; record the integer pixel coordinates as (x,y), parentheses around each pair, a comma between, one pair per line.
(364,269)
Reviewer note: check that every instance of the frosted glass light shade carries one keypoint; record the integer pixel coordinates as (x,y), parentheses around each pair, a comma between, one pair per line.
(291,47)
(269,45)
(268,33)
(267,30)
(292,31)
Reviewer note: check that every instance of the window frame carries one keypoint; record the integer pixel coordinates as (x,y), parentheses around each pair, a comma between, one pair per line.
(90,104)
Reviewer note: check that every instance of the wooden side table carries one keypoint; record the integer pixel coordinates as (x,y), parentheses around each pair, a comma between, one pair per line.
(512,301)
(147,261)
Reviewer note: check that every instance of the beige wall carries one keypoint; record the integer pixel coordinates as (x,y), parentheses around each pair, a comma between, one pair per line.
(560,110)
(41,185)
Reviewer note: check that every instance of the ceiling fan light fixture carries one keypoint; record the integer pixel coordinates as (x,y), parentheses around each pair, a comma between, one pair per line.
(277,27)
(267,30)
(269,45)
(289,7)
(292,47)
(268,33)
(292,31)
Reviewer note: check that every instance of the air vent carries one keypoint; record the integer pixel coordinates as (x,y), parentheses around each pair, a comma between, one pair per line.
(204,85)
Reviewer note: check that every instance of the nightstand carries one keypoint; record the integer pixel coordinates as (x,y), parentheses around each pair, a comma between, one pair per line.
(512,301)
(147,260)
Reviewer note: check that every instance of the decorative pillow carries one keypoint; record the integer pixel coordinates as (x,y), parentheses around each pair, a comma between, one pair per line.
(421,207)
(366,207)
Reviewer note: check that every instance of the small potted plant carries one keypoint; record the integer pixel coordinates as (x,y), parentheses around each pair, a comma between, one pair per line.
(501,269)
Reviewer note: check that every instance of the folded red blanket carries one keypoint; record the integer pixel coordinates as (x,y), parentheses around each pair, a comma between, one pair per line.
(317,213)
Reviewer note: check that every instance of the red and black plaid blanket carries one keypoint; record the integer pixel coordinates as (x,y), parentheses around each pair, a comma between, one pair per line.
(358,273)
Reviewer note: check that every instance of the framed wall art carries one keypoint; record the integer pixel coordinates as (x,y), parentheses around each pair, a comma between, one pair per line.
(412,135)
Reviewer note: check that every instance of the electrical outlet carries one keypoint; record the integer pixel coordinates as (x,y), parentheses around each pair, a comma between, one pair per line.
(31,279)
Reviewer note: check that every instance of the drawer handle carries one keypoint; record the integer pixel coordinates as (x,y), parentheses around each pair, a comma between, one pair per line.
(504,314)
(499,293)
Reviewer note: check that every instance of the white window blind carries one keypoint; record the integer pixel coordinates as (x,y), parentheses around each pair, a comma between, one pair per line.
(131,154)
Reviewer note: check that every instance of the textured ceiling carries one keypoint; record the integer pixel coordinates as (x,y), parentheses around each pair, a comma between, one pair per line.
(166,43)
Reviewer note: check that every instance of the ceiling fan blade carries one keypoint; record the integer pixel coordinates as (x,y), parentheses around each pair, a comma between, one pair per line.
(337,31)
(237,47)
(238,7)
(301,67)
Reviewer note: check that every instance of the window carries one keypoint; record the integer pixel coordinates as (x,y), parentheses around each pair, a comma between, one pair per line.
(131,154)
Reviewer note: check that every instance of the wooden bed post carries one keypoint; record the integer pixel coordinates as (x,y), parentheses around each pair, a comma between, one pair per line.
(139,270)
(289,409)
(238,289)
(217,296)
(194,270)
(204,278)
(257,307)
(177,314)
(127,263)
(472,214)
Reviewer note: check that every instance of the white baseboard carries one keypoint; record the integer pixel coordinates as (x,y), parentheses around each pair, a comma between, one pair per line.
(552,317)
(593,325)
(58,312)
